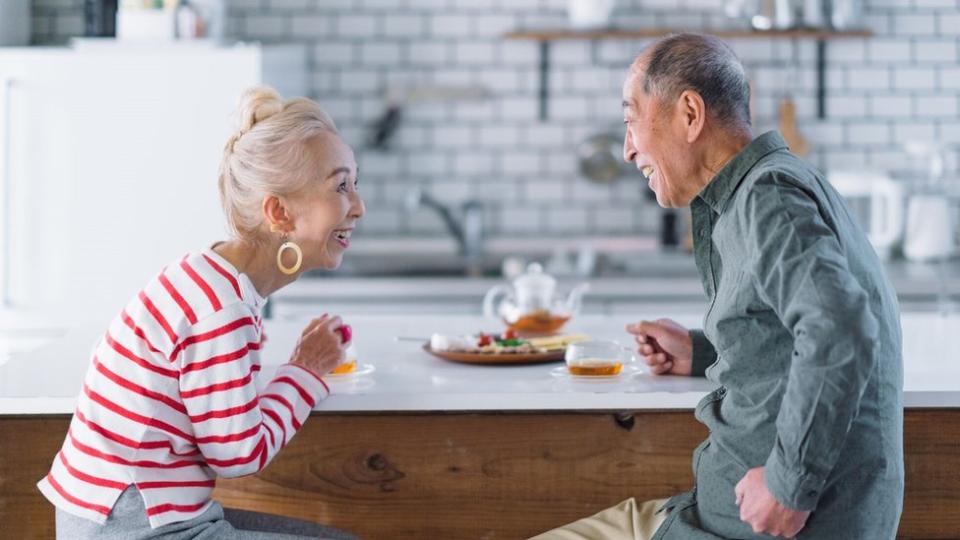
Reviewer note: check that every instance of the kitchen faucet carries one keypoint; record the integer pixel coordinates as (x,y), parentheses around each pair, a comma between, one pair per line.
(468,231)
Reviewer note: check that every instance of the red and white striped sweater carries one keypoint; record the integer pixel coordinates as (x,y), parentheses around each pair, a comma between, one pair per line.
(170,402)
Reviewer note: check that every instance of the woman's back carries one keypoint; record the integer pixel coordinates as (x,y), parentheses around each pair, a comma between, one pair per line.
(169,401)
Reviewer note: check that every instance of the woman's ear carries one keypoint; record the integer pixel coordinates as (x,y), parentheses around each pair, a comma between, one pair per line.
(276,214)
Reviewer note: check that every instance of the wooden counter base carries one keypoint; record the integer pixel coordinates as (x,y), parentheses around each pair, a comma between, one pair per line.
(472,476)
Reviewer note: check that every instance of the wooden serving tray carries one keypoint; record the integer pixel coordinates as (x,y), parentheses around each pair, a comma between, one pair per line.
(493,358)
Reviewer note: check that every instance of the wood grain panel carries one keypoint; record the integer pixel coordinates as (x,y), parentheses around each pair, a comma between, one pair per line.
(399,476)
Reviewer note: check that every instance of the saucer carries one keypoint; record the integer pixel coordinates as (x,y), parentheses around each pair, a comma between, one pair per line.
(626,372)
(355,382)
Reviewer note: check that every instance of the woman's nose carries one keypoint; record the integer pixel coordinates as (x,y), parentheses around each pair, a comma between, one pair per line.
(358,208)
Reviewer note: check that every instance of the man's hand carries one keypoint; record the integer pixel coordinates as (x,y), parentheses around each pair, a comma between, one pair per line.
(764,513)
(665,346)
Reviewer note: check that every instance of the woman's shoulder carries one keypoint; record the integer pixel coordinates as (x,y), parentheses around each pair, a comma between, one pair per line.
(192,292)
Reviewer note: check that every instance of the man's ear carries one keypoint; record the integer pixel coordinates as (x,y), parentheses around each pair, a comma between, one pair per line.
(276,214)
(691,113)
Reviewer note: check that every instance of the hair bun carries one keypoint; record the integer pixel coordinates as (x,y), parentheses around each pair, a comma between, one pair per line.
(256,105)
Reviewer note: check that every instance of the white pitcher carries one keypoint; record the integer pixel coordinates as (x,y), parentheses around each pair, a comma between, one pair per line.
(885,201)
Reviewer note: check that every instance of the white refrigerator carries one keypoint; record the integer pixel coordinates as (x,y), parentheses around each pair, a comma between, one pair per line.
(108,166)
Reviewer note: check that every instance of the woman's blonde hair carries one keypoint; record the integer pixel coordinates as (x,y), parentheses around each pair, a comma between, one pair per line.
(267,155)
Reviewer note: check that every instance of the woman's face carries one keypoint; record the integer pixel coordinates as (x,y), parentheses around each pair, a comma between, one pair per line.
(325,212)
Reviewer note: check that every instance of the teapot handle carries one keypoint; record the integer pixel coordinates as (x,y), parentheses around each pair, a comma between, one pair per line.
(488,300)
(575,297)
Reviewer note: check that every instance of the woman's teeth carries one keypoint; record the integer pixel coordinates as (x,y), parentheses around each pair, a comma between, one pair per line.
(342,235)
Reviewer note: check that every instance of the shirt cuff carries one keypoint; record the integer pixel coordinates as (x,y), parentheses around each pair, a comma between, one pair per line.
(795,490)
(310,381)
(704,355)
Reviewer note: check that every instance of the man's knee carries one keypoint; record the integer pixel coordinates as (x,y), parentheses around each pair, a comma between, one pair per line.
(625,521)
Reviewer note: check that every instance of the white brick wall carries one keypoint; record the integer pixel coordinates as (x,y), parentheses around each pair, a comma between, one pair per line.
(901,84)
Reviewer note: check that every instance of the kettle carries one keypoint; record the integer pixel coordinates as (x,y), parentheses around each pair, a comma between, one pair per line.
(883,197)
(531,305)
(931,229)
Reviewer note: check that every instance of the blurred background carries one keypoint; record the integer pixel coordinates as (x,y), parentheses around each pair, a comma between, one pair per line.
(488,132)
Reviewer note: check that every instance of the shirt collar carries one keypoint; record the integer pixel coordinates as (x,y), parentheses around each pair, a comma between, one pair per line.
(248,291)
(721,187)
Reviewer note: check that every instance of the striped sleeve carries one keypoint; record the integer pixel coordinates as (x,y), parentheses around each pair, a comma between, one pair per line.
(237,430)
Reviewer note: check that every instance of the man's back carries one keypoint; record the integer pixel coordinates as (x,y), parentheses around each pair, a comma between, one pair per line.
(806,331)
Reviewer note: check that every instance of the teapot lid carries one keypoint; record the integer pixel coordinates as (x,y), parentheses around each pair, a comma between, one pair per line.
(534,279)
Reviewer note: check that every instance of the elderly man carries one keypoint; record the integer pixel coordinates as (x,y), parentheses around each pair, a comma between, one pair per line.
(802,333)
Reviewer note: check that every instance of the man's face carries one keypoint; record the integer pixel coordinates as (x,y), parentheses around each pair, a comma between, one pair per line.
(656,142)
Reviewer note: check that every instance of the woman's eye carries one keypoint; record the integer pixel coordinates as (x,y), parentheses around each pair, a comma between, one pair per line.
(342,186)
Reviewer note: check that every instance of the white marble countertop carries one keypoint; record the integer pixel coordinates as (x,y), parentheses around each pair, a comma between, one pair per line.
(41,373)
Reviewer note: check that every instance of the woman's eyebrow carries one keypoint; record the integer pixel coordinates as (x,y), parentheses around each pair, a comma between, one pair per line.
(339,170)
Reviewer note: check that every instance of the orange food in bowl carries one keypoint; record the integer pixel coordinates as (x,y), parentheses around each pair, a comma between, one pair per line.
(540,321)
(346,367)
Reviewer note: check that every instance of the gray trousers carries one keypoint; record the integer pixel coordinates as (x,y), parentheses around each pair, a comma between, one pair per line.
(128,521)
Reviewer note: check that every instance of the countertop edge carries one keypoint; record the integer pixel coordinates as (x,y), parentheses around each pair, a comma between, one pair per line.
(467,403)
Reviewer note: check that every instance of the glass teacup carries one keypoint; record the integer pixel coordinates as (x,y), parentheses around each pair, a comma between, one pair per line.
(597,358)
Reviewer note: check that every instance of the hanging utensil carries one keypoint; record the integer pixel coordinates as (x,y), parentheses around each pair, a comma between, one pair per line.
(788,111)
(599,158)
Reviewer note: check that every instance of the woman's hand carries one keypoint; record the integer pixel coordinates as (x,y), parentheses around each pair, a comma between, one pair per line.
(322,345)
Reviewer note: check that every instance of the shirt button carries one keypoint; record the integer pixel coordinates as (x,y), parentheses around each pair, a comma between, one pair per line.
(811,494)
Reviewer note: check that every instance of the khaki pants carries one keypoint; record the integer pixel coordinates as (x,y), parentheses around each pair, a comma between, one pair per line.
(625,521)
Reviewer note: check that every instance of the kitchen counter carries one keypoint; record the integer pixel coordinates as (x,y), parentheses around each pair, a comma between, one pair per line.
(47,379)
(399,454)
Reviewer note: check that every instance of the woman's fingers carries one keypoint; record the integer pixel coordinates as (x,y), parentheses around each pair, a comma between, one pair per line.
(314,324)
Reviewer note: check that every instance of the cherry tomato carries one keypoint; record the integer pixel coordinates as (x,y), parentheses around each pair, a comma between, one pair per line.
(483,340)
(346,333)
(509,333)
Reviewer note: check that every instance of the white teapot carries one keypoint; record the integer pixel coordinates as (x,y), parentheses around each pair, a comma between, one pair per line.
(531,304)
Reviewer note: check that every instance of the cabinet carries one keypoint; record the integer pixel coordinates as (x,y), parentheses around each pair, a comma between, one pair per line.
(108,162)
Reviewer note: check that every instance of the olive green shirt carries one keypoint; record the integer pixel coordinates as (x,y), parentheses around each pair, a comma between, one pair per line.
(803,337)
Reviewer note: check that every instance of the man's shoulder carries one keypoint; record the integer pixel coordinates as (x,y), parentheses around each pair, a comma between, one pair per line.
(776,173)
(782,169)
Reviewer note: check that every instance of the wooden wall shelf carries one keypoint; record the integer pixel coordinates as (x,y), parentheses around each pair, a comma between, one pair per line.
(545,36)
(642,33)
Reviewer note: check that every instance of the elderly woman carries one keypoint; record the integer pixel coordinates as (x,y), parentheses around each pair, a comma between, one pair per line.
(169,402)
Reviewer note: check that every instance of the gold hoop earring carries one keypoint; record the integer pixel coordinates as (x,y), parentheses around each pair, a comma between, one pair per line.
(288,270)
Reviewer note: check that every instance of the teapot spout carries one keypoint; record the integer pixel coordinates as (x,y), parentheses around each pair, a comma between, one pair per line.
(575,298)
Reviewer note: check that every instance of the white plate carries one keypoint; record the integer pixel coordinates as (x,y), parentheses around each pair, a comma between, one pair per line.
(628,371)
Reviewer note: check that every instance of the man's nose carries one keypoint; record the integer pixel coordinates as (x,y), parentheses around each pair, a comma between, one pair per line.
(629,152)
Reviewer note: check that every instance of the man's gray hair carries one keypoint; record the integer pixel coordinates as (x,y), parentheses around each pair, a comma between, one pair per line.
(701,63)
